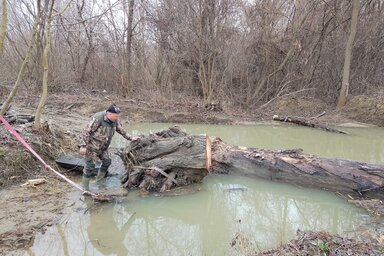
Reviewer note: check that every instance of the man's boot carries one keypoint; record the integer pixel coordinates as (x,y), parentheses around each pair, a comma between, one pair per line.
(85,181)
(103,170)
(100,175)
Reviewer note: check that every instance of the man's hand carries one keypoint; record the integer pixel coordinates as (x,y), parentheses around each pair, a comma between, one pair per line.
(83,151)
(135,138)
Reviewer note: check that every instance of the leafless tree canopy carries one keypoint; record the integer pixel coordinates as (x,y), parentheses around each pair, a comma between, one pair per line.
(243,52)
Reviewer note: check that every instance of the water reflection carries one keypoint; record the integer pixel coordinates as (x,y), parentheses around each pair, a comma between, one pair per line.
(198,224)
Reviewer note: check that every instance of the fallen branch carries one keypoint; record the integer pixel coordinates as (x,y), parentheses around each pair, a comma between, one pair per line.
(303,122)
(34,182)
(319,115)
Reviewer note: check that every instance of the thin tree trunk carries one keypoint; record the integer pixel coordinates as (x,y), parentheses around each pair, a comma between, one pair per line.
(3,29)
(86,59)
(89,34)
(24,64)
(206,55)
(348,55)
(39,110)
(129,45)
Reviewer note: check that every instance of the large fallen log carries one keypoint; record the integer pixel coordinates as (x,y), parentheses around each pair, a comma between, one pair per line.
(173,158)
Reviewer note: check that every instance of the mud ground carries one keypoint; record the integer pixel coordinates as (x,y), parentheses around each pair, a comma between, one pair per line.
(26,210)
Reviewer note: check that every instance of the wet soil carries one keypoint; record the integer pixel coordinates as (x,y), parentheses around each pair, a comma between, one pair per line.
(26,210)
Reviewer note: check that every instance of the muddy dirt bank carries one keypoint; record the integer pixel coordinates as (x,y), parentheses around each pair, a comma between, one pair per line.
(27,208)
(68,109)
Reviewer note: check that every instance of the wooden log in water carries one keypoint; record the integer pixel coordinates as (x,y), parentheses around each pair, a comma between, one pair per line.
(183,158)
(304,122)
(295,167)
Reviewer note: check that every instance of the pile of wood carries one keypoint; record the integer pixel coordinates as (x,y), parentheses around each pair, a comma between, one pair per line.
(163,160)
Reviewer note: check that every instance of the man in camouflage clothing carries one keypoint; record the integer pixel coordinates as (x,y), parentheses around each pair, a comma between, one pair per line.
(95,142)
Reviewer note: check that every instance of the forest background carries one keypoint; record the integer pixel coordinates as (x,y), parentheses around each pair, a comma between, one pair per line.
(243,54)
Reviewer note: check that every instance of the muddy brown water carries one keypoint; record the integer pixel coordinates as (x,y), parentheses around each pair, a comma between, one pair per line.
(205,222)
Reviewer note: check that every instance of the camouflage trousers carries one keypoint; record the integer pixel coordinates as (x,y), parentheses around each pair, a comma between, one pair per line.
(93,159)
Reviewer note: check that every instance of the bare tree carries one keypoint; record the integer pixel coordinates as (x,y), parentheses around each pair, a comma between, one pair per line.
(129,46)
(89,33)
(24,64)
(190,37)
(45,57)
(245,53)
(3,28)
(348,55)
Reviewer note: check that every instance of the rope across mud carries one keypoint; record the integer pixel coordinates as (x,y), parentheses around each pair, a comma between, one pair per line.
(99,197)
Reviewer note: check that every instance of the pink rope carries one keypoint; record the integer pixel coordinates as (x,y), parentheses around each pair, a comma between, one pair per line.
(46,166)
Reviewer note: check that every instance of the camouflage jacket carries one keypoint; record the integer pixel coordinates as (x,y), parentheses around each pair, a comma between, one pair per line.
(99,132)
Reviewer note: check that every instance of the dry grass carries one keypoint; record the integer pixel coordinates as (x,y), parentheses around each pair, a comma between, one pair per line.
(313,243)
(17,164)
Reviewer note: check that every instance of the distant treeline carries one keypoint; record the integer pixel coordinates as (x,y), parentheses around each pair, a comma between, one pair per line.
(241,52)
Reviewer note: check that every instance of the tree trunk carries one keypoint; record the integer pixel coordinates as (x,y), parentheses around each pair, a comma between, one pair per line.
(348,56)
(3,29)
(172,158)
(24,64)
(39,110)
(89,34)
(129,46)
(206,52)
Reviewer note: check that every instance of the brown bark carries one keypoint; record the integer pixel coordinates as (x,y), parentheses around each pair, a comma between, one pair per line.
(294,167)
(183,158)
